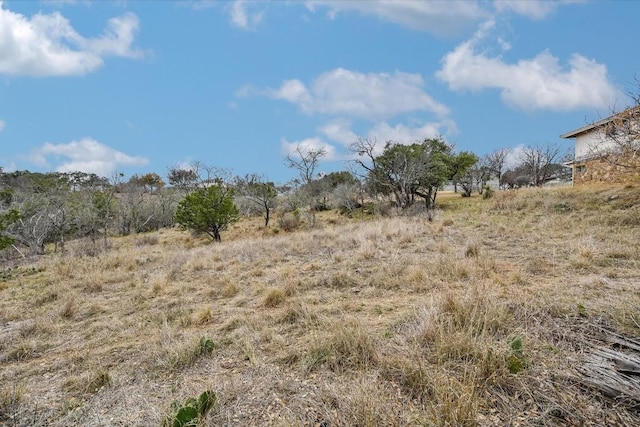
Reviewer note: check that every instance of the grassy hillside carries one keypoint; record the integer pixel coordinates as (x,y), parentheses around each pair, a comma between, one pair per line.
(493,314)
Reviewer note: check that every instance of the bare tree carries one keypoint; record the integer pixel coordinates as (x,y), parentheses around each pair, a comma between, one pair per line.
(35,226)
(197,175)
(47,210)
(496,162)
(258,192)
(365,151)
(138,210)
(539,162)
(305,161)
(212,175)
(475,178)
(620,141)
(183,178)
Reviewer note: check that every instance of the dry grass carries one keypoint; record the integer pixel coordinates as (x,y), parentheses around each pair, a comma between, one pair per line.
(478,318)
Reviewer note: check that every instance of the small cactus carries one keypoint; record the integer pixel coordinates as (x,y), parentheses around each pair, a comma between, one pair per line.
(192,412)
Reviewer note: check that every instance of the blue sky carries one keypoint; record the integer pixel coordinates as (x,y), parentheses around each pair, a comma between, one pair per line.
(140,86)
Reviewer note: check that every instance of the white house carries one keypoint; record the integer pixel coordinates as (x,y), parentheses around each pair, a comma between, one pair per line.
(604,149)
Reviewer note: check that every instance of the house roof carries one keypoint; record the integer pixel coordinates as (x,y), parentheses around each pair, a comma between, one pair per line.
(584,129)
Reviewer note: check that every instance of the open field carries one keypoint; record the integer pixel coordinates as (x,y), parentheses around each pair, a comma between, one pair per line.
(496,313)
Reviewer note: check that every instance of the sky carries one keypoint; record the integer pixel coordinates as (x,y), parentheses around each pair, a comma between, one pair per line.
(141,86)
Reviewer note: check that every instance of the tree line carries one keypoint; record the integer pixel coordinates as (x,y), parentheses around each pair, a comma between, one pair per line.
(40,209)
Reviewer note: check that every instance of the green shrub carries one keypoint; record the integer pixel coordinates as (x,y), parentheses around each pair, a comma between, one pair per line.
(562,207)
(208,210)
(487,191)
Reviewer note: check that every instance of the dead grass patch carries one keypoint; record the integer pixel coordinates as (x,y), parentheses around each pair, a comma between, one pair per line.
(274,298)
(476,319)
(346,346)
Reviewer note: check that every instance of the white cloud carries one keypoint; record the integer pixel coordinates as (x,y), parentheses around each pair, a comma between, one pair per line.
(514,158)
(534,9)
(295,92)
(86,155)
(3,124)
(67,2)
(117,39)
(287,147)
(340,131)
(370,96)
(47,44)
(10,167)
(442,17)
(404,134)
(529,84)
(242,18)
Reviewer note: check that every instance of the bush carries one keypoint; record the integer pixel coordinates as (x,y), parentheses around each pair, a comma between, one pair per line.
(345,198)
(487,192)
(208,210)
(289,221)
(385,209)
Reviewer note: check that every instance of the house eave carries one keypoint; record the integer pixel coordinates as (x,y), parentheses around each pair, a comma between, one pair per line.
(584,129)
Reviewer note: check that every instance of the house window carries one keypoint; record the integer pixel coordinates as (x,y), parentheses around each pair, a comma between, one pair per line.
(581,169)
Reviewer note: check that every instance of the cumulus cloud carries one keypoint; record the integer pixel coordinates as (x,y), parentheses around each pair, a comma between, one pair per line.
(242,18)
(374,98)
(86,155)
(371,96)
(47,44)
(315,143)
(404,134)
(117,38)
(340,131)
(3,124)
(443,17)
(529,84)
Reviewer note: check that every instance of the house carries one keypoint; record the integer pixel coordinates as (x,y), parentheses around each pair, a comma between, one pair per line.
(607,150)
